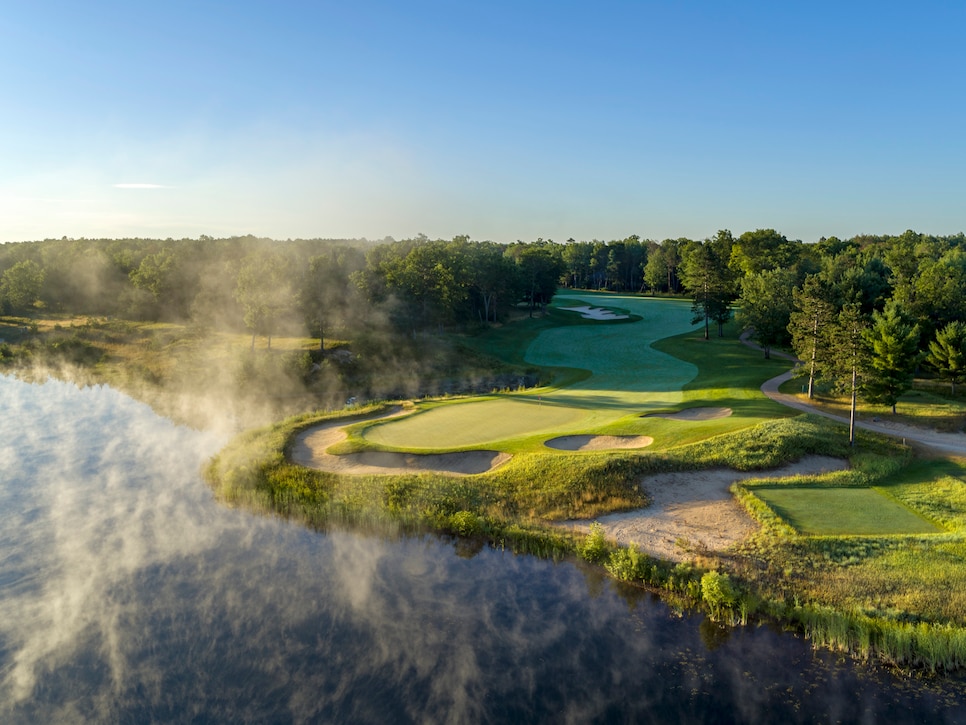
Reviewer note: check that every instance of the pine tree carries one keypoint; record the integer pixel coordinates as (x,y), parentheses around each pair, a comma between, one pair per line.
(894,347)
(849,358)
(947,353)
(810,324)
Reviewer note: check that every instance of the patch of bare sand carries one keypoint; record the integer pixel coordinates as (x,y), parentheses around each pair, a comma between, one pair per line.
(696,508)
(597,443)
(596,313)
(310,449)
(696,414)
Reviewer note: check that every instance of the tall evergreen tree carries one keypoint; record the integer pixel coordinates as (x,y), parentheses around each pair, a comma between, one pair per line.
(810,324)
(894,351)
(707,276)
(947,353)
(849,357)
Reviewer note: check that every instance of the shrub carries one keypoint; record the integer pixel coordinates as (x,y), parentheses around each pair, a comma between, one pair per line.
(594,548)
(718,593)
(465,523)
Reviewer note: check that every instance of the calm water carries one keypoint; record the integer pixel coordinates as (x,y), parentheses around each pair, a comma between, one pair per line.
(127,594)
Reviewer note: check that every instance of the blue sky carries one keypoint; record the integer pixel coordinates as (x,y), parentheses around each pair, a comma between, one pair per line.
(500,120)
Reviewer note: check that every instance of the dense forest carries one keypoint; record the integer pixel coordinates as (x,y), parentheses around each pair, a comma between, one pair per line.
(863,313)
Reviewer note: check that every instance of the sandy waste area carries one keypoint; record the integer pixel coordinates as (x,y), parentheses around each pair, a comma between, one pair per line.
(595,313)
(694,508)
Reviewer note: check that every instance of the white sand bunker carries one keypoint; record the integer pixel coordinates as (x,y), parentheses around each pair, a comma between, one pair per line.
(309,450)
(596,313)
(693,511)
(695,414)
(597,443)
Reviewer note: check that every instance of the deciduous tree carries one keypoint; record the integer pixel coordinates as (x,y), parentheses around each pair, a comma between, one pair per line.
(765,306)
(20,285)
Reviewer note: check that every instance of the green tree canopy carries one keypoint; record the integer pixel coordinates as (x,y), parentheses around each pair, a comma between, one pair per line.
(894,352)
(20,285)
(706,274)
(765,306)
(810,324)
(265,288)
(947,353)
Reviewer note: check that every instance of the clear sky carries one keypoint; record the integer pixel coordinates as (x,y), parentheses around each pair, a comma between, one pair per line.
(500,120)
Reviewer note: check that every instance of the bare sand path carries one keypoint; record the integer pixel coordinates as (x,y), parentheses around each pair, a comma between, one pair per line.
(310,450)
(694,508)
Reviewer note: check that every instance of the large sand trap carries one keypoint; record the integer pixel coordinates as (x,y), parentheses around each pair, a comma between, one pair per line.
(696,508)
(309,449)
(695,414)
(597,443)
(595,313)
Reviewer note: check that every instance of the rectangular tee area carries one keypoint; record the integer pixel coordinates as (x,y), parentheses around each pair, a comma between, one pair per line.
(816,511)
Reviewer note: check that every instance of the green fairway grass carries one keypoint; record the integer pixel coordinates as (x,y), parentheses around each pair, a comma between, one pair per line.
(842,512)
(660,363)
(627,377)
(464,425)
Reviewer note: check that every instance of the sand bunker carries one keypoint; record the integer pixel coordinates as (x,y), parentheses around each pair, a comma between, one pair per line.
(695,508)
(596,313)
(695,414)
(309,449)
(597,443)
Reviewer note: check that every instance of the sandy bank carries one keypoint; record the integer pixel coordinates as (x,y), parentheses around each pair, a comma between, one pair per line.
(597,443)
(310,449)
(694,414)
(694,507)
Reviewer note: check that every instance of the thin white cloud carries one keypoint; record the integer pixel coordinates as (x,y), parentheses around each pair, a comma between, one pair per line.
(140,186)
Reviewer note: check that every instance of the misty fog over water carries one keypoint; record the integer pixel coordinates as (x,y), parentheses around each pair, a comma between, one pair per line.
(128,594)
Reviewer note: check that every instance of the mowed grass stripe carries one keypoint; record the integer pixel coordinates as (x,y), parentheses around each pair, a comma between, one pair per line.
(842,512)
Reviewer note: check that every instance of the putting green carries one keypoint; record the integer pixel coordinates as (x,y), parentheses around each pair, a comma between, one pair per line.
(843,512)
(628,376)
(455,426)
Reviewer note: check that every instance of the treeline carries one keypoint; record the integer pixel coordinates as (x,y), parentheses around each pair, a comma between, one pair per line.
(269,285)
(863,314)
(884,303)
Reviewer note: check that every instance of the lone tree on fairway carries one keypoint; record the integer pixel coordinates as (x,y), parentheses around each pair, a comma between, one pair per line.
(947,353)
(894,346)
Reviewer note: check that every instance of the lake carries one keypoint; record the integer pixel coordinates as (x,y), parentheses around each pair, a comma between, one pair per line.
(128,594)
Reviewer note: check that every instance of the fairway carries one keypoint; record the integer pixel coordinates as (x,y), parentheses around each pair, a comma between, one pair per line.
(842,512)
(628,376)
